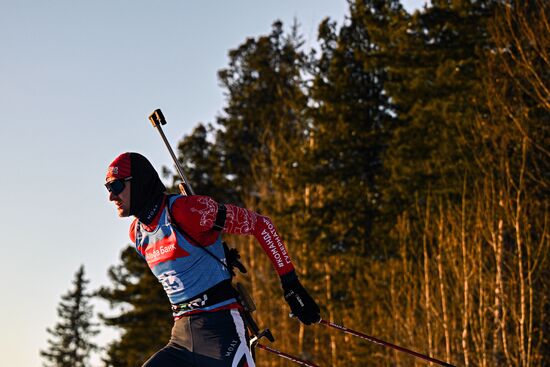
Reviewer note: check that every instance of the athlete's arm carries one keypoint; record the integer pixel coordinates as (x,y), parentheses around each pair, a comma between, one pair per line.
(243,221)
(196,215)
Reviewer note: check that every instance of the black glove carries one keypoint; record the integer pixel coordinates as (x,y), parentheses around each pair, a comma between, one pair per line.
(300,302)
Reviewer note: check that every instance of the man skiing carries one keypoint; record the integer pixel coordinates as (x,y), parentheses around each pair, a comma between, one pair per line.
(180,239)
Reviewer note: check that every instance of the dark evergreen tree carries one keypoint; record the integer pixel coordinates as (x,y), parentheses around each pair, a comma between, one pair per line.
(262,126)
(351,121)
(144,315)
(71,339)
(435,84)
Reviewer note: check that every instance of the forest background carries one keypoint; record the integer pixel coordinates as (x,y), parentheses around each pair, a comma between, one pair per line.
(406,164)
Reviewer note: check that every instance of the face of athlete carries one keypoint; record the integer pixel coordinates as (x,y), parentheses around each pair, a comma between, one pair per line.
(122,200)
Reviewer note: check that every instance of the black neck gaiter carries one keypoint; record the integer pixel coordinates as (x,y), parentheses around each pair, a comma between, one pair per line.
(147,190)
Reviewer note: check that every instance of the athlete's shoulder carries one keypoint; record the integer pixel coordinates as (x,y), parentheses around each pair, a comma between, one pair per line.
(195,211)
(194,203)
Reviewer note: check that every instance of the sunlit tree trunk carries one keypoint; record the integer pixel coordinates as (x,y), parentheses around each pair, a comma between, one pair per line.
(442,293)
(427,294)
(465,282)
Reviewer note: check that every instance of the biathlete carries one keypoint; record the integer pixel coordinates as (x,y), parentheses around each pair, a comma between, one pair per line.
(180,239)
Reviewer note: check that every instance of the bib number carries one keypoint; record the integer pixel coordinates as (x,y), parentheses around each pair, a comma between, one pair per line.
(170,282)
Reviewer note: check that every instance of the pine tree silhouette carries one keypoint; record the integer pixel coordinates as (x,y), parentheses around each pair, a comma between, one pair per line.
(70,344)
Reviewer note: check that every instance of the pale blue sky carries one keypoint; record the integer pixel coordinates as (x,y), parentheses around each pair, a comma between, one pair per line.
(77,82)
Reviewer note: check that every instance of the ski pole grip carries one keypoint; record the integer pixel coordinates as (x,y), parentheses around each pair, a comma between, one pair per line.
(157,118)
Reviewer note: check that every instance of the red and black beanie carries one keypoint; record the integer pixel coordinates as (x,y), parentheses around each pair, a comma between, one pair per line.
(146,187)
(120,167)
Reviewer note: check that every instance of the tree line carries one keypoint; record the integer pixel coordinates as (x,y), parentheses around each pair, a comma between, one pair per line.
(405,161)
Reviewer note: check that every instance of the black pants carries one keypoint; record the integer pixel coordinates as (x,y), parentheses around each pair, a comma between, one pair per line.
(210,339)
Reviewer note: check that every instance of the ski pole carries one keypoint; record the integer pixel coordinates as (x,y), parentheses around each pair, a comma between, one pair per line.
(384,343)
(290,357)
(157,119)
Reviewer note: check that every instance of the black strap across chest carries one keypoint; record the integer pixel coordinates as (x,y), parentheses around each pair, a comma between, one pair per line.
(219,223)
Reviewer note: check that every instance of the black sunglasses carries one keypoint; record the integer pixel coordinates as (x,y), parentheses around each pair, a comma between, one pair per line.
(117,186)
